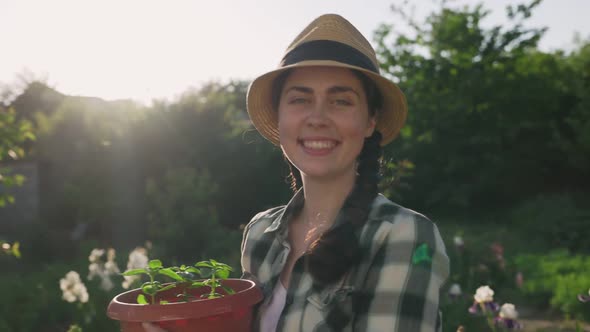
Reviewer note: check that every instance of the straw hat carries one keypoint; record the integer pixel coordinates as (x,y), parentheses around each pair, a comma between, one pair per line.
(330,40)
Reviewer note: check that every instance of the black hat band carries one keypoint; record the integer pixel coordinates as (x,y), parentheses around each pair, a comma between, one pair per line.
(328,50)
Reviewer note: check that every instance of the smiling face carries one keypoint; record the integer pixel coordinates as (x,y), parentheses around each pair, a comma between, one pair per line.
(323,121)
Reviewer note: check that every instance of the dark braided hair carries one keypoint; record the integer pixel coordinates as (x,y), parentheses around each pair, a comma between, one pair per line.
(337,250)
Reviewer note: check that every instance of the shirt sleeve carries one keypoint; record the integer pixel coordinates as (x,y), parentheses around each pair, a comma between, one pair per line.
(402,287)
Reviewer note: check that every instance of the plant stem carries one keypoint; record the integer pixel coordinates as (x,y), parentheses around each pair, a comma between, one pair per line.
(153,295)
(212,294)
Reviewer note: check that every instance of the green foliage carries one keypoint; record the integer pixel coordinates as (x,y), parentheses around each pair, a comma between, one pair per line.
(217,271)
(486,108)
(32,301)
(208,129)
(455,314)
(183,278)
(75,328)
(84,151)
(183,222)
(557,278)
(14,133)
(10,249)
(559,220)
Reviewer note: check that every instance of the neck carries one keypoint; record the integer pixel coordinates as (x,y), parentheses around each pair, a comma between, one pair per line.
(324,198)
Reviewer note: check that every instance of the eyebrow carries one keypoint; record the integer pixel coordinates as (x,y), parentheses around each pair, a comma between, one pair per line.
(302,89)
(342,89)
(331,90)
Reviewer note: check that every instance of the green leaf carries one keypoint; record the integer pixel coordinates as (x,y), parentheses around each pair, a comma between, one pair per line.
(204,264)
(223,274)
(206,273)
(134,272)
(141,299)
(16,249)
(193,270)
(167,287)
(196,284)
(222,266)
(214,295)
(155,264)
(228,290)
(149,288)
(164,302)
(171,274)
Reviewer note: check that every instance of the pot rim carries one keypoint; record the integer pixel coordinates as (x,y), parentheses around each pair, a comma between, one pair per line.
(134,312)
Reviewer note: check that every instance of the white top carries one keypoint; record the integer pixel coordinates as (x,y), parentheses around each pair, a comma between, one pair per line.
(269,314)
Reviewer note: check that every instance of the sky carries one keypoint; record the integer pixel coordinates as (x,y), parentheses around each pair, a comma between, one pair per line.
(146,49)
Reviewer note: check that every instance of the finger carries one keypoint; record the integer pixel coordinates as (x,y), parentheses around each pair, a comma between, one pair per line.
(151,328)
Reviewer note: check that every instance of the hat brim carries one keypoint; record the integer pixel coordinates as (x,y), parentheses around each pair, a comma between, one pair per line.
(390,118)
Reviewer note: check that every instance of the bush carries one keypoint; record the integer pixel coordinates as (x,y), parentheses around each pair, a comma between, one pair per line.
(183,222)
(454,314)
(32,301)
(555,279)
(559,220)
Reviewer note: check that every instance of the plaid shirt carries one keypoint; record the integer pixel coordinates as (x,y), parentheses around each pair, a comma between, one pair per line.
(394,288)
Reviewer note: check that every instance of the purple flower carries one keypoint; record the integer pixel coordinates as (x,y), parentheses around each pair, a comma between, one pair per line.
(484,301)
(507,323)
(483,308)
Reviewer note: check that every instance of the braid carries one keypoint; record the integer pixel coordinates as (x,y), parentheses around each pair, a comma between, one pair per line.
(337,250)
(294,178)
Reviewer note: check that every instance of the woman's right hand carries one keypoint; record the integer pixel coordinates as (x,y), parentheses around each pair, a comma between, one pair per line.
(151,328)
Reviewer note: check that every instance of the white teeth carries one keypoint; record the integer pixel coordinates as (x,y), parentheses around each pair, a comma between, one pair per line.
(318,144)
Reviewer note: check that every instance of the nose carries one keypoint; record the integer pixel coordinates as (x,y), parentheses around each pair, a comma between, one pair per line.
(317,116)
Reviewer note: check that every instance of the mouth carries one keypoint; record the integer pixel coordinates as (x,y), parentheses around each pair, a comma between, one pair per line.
(318,146)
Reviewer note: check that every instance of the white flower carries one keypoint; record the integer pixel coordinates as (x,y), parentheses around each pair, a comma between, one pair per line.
(508,311)
(484,294)
(137,259)
(95,255)
(129,280)
(458,241)
(106,283)
(111,254)
(72,288)
(94,269)
(101,269)
(111,267)
(455,290)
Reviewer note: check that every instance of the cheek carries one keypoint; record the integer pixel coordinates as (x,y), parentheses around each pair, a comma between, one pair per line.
(287,125)
(357,127)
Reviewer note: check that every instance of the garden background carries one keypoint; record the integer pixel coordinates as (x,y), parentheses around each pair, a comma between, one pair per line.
(496,151)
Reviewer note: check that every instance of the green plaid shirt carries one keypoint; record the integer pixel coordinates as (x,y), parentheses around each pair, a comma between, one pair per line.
(394,288)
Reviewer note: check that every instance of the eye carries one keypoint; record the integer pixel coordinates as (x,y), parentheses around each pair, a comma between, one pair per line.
(297,100)
(342,102)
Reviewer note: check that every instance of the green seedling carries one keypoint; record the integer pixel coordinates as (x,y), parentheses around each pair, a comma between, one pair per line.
(185,276)
(216,272)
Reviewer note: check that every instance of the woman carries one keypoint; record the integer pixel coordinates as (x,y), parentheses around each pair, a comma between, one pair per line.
(339,256)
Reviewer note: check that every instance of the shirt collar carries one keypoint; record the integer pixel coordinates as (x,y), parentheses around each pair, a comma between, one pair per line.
(292,208)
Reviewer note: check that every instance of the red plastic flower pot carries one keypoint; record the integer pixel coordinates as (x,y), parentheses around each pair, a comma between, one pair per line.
(228,313)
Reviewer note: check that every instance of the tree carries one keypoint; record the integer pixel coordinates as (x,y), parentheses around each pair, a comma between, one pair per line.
(491,118)
(13,134)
